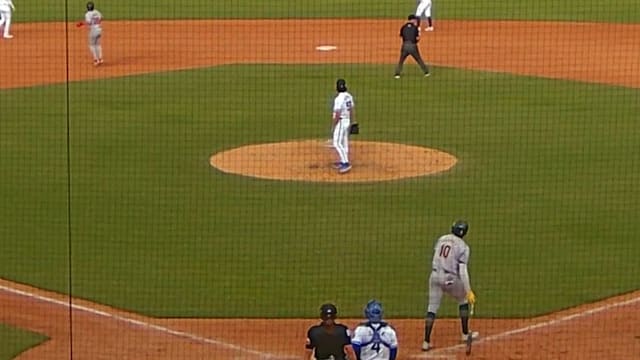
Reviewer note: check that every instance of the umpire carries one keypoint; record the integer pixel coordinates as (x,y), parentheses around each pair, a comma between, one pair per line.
(328,340)
(410,33)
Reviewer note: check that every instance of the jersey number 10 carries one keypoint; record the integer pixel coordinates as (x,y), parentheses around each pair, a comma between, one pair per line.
(445,249)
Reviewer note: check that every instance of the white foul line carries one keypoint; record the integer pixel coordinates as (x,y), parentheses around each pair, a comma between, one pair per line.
(147,325)
(521,330)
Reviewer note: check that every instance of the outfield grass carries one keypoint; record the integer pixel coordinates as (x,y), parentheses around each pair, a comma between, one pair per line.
(15,341)
(547,177)
(568,10)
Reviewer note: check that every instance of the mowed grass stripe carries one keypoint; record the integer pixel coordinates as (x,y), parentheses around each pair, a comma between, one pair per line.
(158,231)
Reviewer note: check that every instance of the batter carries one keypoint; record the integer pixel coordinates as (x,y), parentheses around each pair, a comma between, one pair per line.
(449,275)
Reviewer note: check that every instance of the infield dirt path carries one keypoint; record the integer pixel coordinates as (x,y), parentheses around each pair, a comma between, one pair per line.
(590,52)
(42,54)
(605,330)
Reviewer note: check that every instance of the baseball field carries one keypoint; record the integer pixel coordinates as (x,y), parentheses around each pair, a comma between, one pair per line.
(177,202)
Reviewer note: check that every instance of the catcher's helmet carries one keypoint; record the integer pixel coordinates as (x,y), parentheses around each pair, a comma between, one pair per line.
(341,85)
(373,311)
(90,6)
(460,228)
(328,311)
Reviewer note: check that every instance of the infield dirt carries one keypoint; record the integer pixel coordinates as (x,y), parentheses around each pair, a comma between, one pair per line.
(589,52)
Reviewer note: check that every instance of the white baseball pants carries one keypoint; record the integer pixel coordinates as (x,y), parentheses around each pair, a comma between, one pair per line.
(424,9)
(341,139)
(5,19)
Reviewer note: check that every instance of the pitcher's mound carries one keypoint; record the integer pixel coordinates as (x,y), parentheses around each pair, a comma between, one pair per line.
(311,160)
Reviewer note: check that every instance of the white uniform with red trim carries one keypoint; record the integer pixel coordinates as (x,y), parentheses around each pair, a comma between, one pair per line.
(93,19)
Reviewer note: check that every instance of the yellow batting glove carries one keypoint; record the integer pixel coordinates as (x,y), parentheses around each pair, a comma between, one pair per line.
(471,297)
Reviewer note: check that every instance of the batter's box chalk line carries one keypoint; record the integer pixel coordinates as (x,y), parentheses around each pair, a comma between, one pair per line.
(548,323)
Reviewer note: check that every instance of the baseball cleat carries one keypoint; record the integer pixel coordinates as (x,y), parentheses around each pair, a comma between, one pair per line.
(344,168)
(100,61)
(427,74)
(474,335)
(426,346)
(8,36)
(336,165)
(397,76)
(430,28)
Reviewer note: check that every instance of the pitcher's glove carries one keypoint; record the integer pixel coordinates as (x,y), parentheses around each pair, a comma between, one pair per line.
(354,129)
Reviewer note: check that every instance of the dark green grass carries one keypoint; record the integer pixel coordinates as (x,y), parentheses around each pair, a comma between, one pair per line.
(14,341)
(571,10)
(547,177)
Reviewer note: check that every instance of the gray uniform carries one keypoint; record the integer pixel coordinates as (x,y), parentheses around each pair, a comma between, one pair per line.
(450,251)
(93,19)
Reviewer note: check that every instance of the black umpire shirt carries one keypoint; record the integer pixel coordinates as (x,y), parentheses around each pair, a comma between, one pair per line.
(409,33)
(328,341)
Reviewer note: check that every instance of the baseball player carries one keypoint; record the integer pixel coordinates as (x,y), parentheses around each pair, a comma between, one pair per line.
(449,275)
(328,340)
(374,339)
(424,11)
(342,115)
(6,8)
(93,19)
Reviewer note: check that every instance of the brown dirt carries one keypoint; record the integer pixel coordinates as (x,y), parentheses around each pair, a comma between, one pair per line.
(604,330)
(311,160)
(589,52)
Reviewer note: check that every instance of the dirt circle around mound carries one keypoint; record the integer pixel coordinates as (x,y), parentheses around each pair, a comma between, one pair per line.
(312,160)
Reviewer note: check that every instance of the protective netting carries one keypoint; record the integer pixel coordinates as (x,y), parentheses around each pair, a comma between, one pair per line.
(179,181)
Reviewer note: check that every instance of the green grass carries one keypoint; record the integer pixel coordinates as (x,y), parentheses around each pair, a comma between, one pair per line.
(547,178)
(14,341)
(572,10)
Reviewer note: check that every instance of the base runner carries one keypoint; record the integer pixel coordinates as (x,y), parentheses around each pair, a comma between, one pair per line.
(93,20)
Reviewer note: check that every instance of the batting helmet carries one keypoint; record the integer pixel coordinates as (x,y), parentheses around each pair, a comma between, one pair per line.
(341,85)
(328,311)
(460,228)
(373,311)
(90,6)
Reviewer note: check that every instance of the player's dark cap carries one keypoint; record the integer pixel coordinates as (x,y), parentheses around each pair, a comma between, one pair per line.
(460,228)
(90,6)
(412,17)
(328,311)
(341,85)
